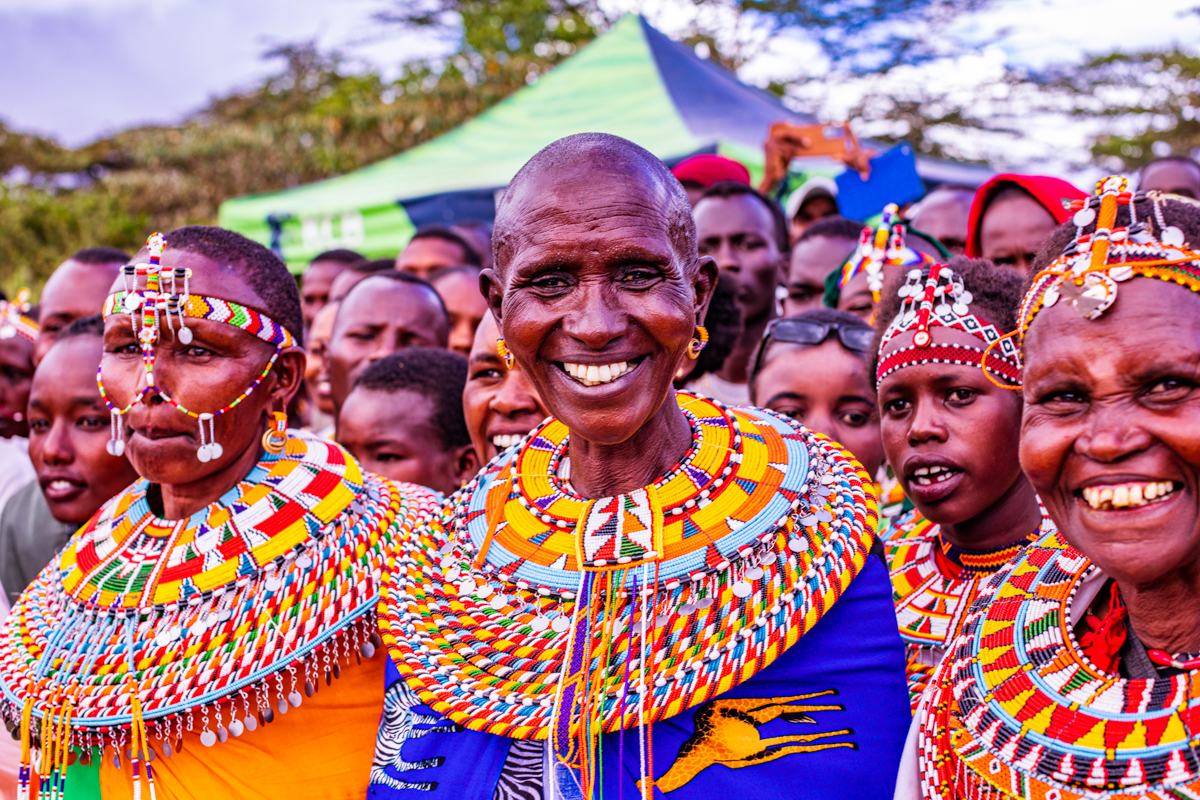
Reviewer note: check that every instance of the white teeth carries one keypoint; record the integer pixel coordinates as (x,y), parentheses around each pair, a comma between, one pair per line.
(1126,495)
(60,484)
(503,441)
(927,476)
(593,375)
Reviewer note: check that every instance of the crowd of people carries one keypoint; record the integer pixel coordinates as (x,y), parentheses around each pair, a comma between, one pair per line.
(663,486)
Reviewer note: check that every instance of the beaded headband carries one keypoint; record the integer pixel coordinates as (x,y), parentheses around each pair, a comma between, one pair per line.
(940,299)
(174,307)
(880,247)
(13,319)
(1087,273)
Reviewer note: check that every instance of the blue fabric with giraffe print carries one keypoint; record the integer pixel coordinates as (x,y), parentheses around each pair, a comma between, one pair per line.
(827,720)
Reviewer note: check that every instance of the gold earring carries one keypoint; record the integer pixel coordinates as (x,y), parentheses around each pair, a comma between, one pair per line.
(275,439)
(698,343)
(505,354)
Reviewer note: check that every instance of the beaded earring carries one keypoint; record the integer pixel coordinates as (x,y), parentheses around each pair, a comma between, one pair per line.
(275,439)
(505,354)
(698,343)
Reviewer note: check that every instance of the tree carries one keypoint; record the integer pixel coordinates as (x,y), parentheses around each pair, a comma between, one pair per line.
(1141,104)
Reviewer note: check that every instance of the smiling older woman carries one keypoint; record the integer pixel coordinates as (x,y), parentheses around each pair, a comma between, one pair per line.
(226,583)
(1077,675)
(675,594)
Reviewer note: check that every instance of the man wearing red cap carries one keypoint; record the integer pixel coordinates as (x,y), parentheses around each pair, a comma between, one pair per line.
(699,173)
(1012,216)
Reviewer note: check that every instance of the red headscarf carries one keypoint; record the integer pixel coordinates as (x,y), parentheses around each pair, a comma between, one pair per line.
(708,168)
(1051,193)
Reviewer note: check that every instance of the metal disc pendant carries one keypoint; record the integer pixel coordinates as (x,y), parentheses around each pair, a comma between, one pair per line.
(208,738)
(222,735)
(1172,236)
(185,335)
(202,454)
(251,723)
(116,448)
(539,624)
(742,589)
(295,699)
(268,716)
(367,649)
(560,624)
(236,728)
(215,451)
(282,705)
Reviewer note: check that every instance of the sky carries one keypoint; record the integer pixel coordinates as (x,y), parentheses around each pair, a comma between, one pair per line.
(78,69)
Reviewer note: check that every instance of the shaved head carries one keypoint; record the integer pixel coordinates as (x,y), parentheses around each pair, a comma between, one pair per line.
(602,157)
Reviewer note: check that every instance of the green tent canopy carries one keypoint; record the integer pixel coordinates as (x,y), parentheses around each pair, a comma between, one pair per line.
(632,81)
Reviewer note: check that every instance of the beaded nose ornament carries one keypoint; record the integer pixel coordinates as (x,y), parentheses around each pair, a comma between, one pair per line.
(152,306)
(941,299)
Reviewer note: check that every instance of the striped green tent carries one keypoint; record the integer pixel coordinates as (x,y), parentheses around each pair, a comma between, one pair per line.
(632,81)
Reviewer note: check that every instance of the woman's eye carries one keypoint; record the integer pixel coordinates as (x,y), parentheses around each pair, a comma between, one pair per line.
(92,423)
(895,406)
(855,419)
(639,275)
(794,413)
(388,457)
(961,395)
(126,349)
(195,351)
(38,425)
(1170,389)
(486,375)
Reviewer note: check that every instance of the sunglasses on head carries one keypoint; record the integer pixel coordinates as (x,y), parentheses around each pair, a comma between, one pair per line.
(803,331)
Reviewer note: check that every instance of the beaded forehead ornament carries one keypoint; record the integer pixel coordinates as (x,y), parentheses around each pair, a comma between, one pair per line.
(940,298)
(880,247)
(158,306)
(13,319)
(1087,273)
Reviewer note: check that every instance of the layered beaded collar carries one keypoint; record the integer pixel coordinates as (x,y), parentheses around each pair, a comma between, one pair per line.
(934,583)
(1018,710)
(534,613)
(143,625)
(150,306)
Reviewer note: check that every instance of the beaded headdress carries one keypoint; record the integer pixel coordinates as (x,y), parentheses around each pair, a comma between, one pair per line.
(14,320)
(157,305)
(940,298)
(880,247)
(1087,273)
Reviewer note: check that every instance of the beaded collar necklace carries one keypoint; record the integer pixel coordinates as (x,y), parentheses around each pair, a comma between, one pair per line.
(568,616)
(159,306)
(933,585)
(13,319)
(1018,709)
(145,627)
(939,298)
(880,247)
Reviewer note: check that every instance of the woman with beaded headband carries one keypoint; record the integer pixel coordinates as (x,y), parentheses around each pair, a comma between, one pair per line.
(1076,675)
(651,594)
(950,435)
(161,650)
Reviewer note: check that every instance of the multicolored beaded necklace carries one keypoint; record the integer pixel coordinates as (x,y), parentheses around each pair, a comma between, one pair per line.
(157,307)
(933,584)
(1018,710)
(537,614)
(145,627)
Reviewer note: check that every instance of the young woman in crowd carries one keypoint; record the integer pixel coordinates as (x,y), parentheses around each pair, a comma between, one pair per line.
(812,368)
(678,592)
(950,434)
(1076,673)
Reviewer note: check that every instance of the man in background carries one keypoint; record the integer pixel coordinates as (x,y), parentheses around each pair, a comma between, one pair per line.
(317,280)
(700,173)
(76,289)
(434,247)
(945,215)
(1171,174)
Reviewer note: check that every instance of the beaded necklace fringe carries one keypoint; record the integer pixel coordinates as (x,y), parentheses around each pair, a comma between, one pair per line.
(83,665)
(618,612)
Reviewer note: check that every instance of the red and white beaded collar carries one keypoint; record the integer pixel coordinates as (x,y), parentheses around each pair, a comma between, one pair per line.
(939,298)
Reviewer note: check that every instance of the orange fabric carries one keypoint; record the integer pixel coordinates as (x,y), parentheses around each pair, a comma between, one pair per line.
(319,751)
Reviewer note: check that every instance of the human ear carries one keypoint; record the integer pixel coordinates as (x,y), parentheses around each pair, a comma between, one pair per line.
(489,287)
(466,462)
(289,373)
(704,283)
